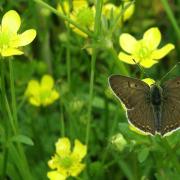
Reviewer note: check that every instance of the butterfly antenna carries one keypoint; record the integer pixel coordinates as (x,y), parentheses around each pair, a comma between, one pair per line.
(140,67)
(171,70)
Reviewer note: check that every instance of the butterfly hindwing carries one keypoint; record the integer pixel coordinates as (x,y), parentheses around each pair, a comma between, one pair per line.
(142,116)
(171,106)
(134,93)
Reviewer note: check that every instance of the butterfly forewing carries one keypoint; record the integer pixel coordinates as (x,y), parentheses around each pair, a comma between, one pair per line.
(135,95)
(171,106)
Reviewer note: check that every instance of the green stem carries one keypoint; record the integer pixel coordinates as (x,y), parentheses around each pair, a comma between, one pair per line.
(5,160)
(5,148)
(14,117)
(13,96)
(62,128)
(93,62)
(10,116)
(68,59)
(66,18)
(120,17)
(120,64)
(171,17)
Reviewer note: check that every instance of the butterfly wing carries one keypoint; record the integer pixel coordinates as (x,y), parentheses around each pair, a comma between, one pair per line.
(135,94)
(171,106)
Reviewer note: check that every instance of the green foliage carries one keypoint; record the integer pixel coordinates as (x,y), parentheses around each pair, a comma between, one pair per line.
(86,109)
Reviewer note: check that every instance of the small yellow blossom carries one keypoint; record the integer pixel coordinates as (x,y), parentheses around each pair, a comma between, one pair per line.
(129,11)
(144,51)
(149,81)
(110,8)
(41,93)
(66,7)
(83,15)
(10,40)
(65,162)
(118,141)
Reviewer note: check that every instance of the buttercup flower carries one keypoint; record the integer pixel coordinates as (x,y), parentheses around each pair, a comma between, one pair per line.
(10,40)
(143,51)
(83,15)
(109,8)
(41,93)
(65,162)
(66,7)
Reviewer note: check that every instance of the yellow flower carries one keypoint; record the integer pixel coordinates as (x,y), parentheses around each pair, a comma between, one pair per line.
(109,8)
(10,40)
(144,51)
(129,11)
(41,93)
(149,81)
(66,7)
(83,15)
(65,162)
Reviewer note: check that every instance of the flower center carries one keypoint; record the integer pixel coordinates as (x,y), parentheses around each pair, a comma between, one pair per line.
(142,51)
(85,17)
(66,162)
(44,94)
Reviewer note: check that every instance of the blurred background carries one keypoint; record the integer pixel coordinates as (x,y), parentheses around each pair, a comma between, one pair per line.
(115,151)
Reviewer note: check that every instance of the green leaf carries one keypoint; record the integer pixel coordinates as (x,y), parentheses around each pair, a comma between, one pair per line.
(143,154)
(22,139)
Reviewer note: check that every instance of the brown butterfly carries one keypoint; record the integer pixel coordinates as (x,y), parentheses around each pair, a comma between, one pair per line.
(152,109)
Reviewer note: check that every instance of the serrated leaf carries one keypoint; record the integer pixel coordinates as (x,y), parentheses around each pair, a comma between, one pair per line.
(143,154)
(22,139)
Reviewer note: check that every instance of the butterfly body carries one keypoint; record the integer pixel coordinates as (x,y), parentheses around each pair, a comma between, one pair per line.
(154,109)
(156,100)
(156,95)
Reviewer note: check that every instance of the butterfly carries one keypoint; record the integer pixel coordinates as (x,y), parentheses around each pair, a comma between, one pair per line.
(152,109)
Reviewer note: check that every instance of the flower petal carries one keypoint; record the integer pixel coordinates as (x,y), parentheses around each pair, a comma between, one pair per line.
(160,53)
(55,175)
(24,38)
(11,52)
(109,9)
(79,150)
(149,81)
(11,21)
(127,42)
(147,63)
(54,95)
(152,38)
(126,58)
(47,82)
(35,100)
(79,4)
(76,169)
(63,147)
(33,88)
(129,11)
